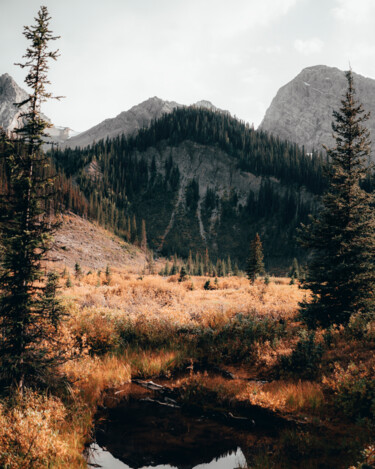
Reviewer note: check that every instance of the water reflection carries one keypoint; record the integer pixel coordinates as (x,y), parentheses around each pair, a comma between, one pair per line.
(98,457)
(139,434)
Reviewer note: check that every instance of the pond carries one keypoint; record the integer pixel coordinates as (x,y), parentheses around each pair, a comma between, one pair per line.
(148,429)
(104,459)
(141,434)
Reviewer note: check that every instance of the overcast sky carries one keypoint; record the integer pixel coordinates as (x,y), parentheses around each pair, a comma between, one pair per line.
(236,54)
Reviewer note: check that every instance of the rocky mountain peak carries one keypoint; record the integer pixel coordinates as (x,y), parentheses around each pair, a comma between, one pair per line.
(11,93)
(302,109)
(127,122)
(131,121)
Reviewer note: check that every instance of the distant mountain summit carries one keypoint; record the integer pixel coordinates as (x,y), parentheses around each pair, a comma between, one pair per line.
(11,93)
(127,122)
(131,121)
(301,111)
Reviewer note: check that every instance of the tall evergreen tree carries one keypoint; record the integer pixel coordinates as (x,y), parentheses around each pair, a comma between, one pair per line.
(29,313)
(190,264)
(144,237)
(341,274)
(134,231)
(255,265)
(294,269)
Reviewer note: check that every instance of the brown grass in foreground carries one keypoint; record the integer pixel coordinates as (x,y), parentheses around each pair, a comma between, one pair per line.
(129,325)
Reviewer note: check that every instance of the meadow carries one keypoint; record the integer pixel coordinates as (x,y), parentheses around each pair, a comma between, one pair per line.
(130,325)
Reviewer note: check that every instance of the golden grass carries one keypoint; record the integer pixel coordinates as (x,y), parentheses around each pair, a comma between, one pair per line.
(92,375)
(148,364)
(286,396)
(154,307)
(155,295)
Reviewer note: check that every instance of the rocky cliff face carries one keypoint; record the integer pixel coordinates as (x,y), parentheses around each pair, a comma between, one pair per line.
(302,109)
(11,93)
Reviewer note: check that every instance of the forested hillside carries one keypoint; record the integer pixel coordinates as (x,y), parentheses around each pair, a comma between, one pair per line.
(199,179)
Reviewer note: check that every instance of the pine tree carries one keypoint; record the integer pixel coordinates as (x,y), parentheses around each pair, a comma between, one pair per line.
(29,312)
(166,269)
(68,283)
(174,268)
(206,265)
(144,237)
(294,269)
(183,274)
(255,264)
(108,275)
(134,231)
(150,261)
(77,271)
(190,264)
(229,266)
(341,274)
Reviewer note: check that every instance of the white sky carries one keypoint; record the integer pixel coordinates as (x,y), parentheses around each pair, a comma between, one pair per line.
(235,53)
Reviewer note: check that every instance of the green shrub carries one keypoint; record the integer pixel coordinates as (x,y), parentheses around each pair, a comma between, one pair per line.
(305,359)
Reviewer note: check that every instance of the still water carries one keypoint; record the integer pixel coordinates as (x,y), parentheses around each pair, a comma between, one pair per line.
(137,435)
(99,457)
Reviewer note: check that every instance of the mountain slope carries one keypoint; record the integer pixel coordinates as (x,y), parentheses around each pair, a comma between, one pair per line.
(200,179)
(301,111)
(127,122)
(11,93)
(79,241)
(131,121)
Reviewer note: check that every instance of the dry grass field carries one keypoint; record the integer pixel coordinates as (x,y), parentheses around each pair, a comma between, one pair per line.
(129,325)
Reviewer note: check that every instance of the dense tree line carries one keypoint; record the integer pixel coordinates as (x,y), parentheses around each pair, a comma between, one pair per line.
(256,151)
(123,185)
(116,183)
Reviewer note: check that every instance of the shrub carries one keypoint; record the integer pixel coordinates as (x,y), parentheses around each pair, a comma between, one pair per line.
(30,432)
(354,390)
(367,460)
(304,360)
(235,339)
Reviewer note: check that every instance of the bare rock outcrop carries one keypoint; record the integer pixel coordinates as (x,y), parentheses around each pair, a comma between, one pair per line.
(301,111)
(11,93)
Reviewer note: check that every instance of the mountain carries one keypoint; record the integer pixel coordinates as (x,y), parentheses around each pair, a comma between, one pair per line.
(131,121)
(127,122)
(301,111)
(200,180)
(11,93)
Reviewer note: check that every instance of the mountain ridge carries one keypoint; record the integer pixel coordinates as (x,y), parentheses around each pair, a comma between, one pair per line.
(131,121)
